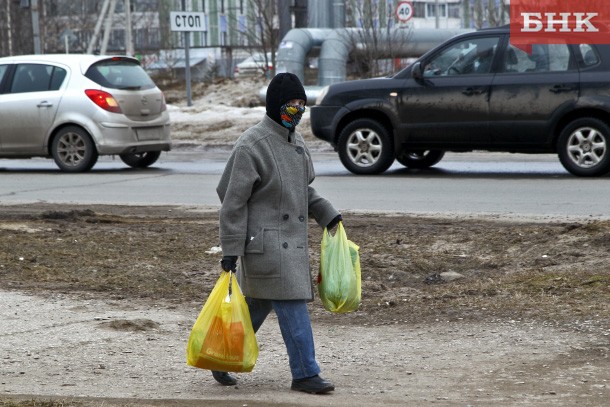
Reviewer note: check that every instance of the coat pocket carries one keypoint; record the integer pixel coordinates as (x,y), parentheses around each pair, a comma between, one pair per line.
(256,243)
(262,254)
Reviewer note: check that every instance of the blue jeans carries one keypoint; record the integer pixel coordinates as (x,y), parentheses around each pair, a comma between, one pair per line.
(293,318)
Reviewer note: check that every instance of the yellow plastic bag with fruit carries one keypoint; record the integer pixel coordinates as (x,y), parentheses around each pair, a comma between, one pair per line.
(222,337)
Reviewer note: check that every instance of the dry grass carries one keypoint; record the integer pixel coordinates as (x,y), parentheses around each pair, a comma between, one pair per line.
(41,403)
(549,271)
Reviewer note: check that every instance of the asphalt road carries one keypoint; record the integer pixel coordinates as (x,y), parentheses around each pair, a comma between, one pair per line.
(473,183)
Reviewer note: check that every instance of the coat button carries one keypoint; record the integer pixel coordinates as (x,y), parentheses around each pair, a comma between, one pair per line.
(299,150)
(302,218)
(285,245)
(286,217)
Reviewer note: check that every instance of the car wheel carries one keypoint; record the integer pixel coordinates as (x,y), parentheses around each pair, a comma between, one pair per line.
(419,158)
(141,160)
(73,150)
(366,147)
(583,147)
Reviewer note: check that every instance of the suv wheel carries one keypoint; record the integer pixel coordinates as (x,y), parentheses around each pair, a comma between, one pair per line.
(73,150)
(583,147)
(366,147)
(419,158)
(140,160)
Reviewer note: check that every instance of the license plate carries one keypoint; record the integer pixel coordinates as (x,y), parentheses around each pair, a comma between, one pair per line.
(150,133)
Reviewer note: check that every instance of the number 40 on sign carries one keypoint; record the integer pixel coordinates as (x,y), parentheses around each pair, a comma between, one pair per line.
(404,11)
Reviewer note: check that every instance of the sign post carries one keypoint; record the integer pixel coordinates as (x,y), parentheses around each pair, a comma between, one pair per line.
(187,21)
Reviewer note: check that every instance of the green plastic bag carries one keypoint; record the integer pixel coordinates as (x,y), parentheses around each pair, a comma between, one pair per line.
(339,281)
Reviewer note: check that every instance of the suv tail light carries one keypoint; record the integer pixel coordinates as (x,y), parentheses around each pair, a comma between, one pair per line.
(104,100)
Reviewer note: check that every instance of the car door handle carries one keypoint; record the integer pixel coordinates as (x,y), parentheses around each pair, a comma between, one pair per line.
(44,104)
(473,91)
(562,88)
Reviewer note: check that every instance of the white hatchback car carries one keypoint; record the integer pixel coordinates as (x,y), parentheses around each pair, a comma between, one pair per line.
(75,108)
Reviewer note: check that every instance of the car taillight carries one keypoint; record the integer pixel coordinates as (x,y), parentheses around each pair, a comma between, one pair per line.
(104,100)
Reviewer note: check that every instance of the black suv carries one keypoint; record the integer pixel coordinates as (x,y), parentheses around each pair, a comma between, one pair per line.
(476,91)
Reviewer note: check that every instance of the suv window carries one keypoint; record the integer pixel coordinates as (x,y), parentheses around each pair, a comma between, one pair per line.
(472,56)
(118,73)
(543,58)
(589,56)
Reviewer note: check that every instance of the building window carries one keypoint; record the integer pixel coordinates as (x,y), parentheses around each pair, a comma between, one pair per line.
(419,9)
(241,23)
(454,10)
(145,5)
(431,10)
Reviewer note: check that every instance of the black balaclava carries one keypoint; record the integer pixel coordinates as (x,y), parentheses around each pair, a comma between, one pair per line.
(283,88)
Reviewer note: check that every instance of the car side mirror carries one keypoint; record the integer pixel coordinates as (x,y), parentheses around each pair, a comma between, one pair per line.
(417,72)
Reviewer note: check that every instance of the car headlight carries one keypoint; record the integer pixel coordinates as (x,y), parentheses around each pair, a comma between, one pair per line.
(321,95)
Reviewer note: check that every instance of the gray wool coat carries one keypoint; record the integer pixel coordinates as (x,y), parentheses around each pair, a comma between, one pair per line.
(266,201)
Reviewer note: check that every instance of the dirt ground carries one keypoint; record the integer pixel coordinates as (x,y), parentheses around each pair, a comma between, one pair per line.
(96,302)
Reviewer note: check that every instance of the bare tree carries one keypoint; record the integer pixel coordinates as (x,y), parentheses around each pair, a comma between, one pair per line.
(259,31)
(15,24)
(485,12)
(497,12)
(492,15)
(378,41)
(6,28)
(78,21)
(266,28)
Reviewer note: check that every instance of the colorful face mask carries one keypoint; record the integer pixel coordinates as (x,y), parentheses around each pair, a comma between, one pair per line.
(291,115)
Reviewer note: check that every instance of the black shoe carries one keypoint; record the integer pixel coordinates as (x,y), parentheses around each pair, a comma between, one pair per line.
(224,378)
(312,385)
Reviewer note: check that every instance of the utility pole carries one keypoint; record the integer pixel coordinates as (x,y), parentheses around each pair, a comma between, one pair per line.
(300,13)
(108,27)
(284,17)
(187,62)
(437,8)
(129,49)
(466,13)
(35,26)
(9,29)
(98,26)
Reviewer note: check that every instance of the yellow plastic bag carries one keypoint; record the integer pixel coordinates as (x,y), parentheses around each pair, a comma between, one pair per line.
(339,281)
(222,337)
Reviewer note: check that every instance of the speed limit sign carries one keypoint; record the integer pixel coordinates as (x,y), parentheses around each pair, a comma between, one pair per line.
(404,11)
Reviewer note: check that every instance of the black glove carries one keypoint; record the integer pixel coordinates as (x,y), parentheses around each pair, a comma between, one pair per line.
(334,222)
(228,263)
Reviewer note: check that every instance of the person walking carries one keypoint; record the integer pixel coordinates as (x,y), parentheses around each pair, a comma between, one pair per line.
(266,199)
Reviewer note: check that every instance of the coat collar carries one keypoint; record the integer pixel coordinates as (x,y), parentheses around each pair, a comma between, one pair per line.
(276,128)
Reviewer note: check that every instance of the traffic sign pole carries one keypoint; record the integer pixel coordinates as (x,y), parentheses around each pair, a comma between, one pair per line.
(187,22)
(187,62)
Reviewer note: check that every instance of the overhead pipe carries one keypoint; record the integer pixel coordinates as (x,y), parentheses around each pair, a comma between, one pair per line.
(295,46)
(397,43)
